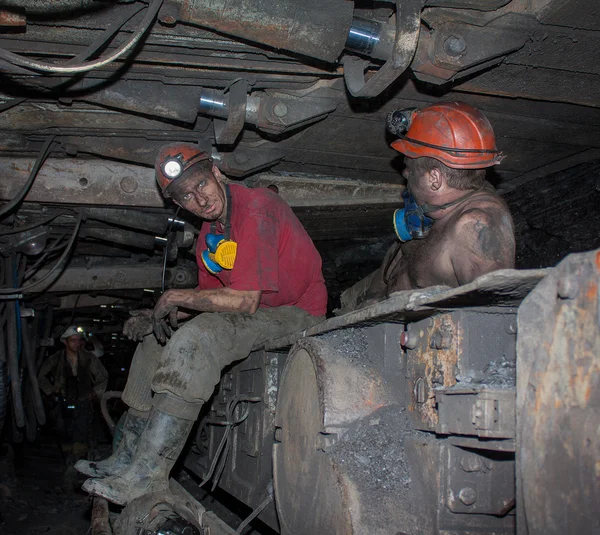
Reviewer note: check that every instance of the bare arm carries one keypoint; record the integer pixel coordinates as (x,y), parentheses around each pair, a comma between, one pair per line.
(483,242)
(213,300)
(378,288)
(216,300)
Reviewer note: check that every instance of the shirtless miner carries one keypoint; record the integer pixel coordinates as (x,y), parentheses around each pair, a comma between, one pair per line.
(453,227)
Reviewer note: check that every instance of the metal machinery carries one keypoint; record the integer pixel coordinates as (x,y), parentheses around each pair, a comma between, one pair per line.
(399,418)
(410,416)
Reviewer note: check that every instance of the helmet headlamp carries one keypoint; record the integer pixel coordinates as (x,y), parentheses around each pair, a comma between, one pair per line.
(398,121)
(173,167)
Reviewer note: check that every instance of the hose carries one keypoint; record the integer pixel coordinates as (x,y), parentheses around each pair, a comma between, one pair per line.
(3,378)
(43,66)
(259,509)
(10,205)
(110,394)
(11,346)
(33,225)
(4,292)
(29,357)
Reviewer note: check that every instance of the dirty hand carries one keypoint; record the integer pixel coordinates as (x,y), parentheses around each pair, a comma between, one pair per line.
(163,308)
(139,325)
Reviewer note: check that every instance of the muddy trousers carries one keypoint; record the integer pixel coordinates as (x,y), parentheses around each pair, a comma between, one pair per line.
(179,377)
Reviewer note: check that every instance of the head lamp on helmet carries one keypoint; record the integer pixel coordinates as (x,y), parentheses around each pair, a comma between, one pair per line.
(174,160)
(173,168)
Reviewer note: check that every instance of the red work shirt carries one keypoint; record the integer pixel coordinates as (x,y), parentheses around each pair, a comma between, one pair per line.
(274,253)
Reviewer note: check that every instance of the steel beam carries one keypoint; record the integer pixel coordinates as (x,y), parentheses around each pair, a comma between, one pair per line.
(102,182)
(116,277)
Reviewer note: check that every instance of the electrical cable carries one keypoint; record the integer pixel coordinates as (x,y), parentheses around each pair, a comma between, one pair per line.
(223,448)
(33,225)
(166,252)
(35,268)
(7,291)
(10,205)
(43,66)
(109,32)
(259,508)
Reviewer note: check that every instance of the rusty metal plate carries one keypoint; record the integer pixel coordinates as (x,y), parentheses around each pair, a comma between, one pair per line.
(558,401)
(505,287)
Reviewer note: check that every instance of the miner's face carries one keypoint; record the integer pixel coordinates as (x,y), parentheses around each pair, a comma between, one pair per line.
(73,343)
(201,193)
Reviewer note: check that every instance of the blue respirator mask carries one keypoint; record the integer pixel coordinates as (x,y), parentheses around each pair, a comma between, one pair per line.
(221,250)
(412,223)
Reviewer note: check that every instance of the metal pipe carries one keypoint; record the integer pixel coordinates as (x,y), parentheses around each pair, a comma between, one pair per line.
(371,38)
(313,28)
(155,223)
(124,237)
(363,35)
(12,352)
(216,103)
(3,371)
(45,7)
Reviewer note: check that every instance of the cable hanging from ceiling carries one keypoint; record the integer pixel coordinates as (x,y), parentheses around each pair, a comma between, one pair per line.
(67,68)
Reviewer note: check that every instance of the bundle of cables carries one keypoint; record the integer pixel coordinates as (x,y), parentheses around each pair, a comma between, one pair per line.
(77,65)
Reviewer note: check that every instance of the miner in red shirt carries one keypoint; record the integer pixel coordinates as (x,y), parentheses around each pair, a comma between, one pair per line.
(259,278)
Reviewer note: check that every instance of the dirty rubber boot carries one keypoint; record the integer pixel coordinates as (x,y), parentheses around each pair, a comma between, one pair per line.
(158,449)
(121,458)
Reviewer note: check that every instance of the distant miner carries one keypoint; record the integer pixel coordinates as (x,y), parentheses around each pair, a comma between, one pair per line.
(453,227)
(259,278)
(71,379)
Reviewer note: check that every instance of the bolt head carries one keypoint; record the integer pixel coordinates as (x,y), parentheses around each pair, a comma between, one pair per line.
(240,157)
(567,288)
(128,184)
(467,495)
(280,110)
(471,463)
(455,46)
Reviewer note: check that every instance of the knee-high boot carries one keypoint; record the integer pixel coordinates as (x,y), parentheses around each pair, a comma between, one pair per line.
(135,422)
(158,448)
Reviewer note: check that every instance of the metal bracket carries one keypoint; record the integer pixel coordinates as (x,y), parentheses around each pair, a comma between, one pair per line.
(479,484)
(486,413)
(408,23)
(227,132)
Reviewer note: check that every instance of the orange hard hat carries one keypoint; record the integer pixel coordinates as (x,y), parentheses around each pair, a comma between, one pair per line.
(456,134)
(173,160)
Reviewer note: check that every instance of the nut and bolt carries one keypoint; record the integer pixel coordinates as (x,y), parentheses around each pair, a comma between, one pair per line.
(420,391)
(567,288)
(240,157)
(408,340)
(280,109)
(440,340)
(467,495)
(455,46)
(128,184)
(471,463)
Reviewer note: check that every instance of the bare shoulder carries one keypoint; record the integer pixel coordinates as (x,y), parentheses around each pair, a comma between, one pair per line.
(486,230)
